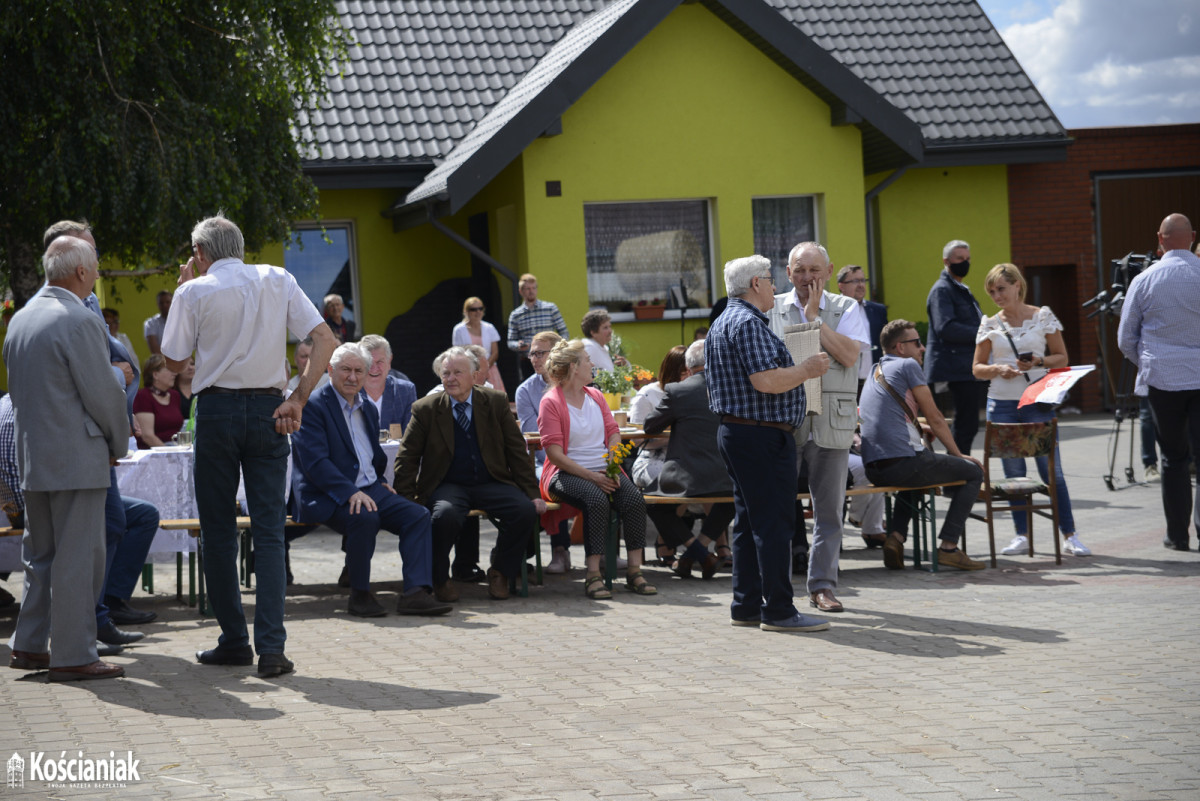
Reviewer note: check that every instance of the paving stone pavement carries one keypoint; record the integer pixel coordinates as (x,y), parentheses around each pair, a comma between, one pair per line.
(1031,681)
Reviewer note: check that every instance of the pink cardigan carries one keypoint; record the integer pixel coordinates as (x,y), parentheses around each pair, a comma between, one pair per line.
(554,425)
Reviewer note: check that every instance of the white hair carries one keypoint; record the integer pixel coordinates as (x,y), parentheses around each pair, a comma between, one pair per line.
(803,246)
(348,350)
(374,342)
(456,352)
(220,238)
(693,357)
(951,245)
(64,255)
(740,272)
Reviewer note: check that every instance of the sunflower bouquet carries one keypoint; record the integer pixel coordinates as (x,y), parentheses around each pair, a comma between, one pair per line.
(614,458)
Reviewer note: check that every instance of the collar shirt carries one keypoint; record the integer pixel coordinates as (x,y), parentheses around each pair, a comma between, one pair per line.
(235,317)
(740,344)
(524,322)
(10,477)
(853,323)
(469,410)
(356,421)
(1160,324)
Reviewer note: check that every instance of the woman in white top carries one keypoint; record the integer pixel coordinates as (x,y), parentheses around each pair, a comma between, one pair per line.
(1020,330)
(474,330)
(597,333)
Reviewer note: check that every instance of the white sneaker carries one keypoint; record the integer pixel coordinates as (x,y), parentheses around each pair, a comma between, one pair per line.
(1076,548)
(1151,473)
(1018,545)
(560,562)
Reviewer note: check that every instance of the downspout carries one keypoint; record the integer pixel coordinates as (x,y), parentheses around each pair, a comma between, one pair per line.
(478,253)
(872,260)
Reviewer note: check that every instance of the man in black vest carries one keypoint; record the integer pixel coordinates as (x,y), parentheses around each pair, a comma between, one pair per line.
(463,450)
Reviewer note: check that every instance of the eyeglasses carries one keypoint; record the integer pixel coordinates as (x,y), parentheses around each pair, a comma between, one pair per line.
(853,281)
(474,308)
(539,353)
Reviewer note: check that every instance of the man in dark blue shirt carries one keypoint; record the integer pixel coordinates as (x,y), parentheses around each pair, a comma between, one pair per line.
(755,388)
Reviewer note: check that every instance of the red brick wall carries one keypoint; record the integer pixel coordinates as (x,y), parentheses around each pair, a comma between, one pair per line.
(1052,212)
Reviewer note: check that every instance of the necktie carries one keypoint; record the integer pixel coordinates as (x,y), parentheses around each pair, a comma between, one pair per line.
(460,416)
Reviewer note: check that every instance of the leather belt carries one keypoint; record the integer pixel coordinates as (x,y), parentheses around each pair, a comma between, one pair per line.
(272,391)
(742,421)
(880,464)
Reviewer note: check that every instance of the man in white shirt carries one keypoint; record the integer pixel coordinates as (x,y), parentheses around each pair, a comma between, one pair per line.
(823,442)
(234,316)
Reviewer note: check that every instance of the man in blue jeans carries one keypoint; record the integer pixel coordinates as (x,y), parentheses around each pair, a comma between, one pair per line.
(233,316)
(756,389)
(894,451)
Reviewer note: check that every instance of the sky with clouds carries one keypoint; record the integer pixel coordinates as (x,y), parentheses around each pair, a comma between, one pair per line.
(1107,62)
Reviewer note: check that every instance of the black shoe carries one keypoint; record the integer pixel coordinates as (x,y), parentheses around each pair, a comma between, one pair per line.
(1174,546)
(6,598)
(471,575)
(104,649)
(109,633)
(422,603)
(274,665)
(364,604)
(222,656)
(800,563)
(121,613)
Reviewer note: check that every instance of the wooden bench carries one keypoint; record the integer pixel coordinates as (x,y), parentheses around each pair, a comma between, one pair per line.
(524,591)
(196,560)
(924,519)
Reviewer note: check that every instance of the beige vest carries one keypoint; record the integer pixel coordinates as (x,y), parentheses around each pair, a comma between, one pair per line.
(834,427)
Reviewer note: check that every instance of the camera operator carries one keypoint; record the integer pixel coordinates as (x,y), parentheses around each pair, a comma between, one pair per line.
(1160,333)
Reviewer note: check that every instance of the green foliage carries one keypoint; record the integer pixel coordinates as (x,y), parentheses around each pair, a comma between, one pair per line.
(145,116)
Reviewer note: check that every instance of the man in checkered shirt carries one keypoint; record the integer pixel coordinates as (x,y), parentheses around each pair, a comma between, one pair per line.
(528,319)
(756,389)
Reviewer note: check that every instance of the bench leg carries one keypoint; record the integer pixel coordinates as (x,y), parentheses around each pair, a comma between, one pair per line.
(201,601)
(148,577)
(192,578)
(612,545)
(246,556)
(179,577)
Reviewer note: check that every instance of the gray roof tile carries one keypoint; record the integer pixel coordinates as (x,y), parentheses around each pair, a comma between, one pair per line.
(430,70)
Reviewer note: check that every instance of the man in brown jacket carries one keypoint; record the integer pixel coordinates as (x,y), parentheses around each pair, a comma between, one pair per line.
(463,450)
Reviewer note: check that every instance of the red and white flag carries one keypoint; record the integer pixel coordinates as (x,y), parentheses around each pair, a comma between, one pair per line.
(1054,385)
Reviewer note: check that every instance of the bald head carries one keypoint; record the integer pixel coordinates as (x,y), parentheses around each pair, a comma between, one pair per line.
(1176,233)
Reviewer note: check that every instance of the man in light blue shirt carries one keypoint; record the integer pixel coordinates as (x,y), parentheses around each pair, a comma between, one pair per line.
(1160,333)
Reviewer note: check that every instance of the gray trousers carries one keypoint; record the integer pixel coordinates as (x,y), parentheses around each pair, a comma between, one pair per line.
(827,484)
(63,553)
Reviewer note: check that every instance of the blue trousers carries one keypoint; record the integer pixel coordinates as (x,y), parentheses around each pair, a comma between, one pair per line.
(1006,411)
(762,465)
(237,433)
(129,528)
(408,520)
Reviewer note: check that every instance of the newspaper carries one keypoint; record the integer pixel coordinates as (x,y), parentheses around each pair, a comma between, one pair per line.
(803,341)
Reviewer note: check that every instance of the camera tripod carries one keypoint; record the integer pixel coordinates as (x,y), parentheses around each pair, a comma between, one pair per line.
(1127,408)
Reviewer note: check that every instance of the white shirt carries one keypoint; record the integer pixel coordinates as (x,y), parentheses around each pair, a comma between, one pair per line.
(644,402)
(355,421)
(598,354)
(235,317)
(153,327)
(587,447)
(853,323)
(1030,337)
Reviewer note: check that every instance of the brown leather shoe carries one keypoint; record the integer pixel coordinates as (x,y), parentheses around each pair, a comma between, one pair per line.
(445,593)
(497,584)
(826,601)
(96,670)
(893,552)
(708,568)
(29,660)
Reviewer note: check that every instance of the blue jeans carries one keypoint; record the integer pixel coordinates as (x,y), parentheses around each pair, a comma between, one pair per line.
(1006,411)
(762,464)
(237,433)
(141,524)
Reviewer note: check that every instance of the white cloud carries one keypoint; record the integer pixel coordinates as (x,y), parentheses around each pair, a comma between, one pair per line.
(1108,62)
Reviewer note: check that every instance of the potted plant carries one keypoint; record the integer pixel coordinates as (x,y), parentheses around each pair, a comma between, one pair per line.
(614,384)
(649,309)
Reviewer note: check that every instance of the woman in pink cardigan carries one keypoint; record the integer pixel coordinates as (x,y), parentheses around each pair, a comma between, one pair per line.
(574,419)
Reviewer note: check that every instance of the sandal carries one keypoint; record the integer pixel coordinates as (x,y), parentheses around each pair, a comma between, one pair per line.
(666,554)
(594,588)
(874,540)
(725,554)
(641,587)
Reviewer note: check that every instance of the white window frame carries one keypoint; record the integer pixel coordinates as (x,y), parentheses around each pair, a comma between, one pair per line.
(352,248)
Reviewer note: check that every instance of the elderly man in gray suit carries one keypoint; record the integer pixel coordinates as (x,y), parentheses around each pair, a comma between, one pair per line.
(71,427)
(823,441)
(693,466)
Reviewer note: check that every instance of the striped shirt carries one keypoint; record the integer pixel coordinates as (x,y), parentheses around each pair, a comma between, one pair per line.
(1160,324)
(740,344)
(524,322)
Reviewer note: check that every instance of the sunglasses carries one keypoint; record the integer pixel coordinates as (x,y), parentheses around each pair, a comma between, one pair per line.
(474,308)
(906,341)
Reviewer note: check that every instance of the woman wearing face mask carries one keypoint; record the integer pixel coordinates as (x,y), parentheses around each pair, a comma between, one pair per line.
(954,317)
(1020,330)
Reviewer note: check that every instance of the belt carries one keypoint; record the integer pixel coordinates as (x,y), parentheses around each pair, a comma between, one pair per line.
(742,421)
(880,464)
(275,393)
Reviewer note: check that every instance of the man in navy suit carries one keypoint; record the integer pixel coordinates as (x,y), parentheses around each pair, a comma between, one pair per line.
(852,281)
(337,480)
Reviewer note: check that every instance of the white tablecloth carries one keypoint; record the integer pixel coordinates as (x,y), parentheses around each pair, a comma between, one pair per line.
(167,480)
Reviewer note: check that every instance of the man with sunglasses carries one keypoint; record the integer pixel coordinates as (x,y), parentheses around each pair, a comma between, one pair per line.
(895,453)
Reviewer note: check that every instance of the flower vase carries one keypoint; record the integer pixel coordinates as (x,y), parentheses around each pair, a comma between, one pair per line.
(613,399)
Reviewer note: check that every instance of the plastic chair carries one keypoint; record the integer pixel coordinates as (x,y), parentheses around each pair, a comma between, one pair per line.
(1004,495)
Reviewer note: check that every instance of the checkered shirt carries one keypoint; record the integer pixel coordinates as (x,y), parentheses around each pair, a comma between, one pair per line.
(524,322)
(740,344)
(10,477)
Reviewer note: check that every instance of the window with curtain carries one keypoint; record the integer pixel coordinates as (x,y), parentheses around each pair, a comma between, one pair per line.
(639,251)
(781,223)
(322,261)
